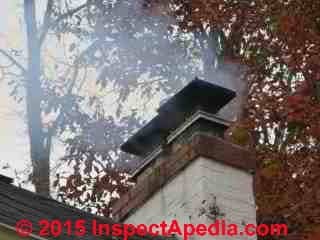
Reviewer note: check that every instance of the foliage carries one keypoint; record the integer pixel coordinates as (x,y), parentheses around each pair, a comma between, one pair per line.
(278,42)
(133,53)
(135,49)
(121,49)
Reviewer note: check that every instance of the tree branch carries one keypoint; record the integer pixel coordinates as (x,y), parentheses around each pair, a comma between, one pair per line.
(46,20)
(14,61)
(47,23)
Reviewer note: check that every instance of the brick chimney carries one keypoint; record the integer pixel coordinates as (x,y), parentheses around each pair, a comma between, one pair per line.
(186,167)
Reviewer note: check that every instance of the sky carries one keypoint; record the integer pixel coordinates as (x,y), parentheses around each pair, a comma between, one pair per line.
(14,147)
(13,138)
(14,144)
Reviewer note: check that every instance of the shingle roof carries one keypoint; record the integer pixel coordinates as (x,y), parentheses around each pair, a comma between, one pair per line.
(17,203)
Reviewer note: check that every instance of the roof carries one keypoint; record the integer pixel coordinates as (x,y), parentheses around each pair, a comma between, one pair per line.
(6,179)
(197,95)
(17,204)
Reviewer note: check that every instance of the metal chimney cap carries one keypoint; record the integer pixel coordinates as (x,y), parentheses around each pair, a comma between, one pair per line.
(197,95)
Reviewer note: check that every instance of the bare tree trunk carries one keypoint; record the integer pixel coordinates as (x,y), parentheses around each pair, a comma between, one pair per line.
(39,142)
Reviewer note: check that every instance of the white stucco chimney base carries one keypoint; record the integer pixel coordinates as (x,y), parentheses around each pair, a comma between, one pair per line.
(203,185)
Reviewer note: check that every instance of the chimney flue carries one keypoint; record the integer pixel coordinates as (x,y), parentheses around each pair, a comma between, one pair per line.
(191,110)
